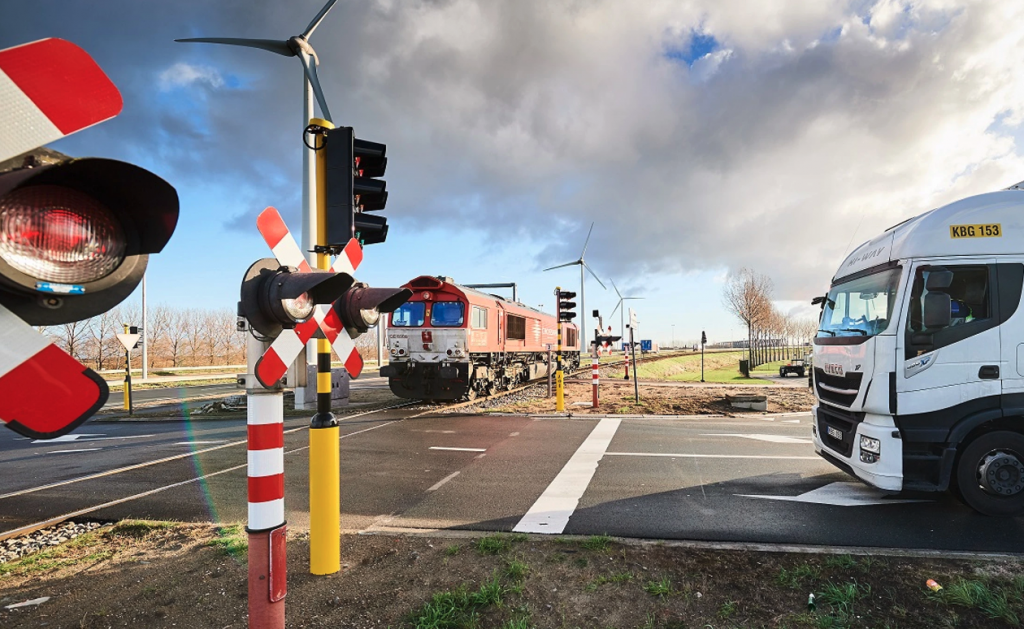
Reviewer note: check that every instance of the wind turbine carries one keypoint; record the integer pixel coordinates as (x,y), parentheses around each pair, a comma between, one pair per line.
(296,46)
(622,311)
(583,306)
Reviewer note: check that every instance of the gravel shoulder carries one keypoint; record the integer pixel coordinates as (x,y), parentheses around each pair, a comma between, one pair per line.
(143,574)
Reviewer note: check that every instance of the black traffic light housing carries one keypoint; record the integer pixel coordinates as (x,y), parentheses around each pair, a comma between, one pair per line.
(565,307)
(353,187)
(138,208)
(703,338)
(267,285)
(361,306)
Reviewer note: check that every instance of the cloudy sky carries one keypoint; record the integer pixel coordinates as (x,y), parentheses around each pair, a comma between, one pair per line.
(699,136)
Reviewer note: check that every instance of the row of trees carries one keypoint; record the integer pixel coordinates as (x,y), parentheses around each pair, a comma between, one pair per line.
(771,335)
(177,337)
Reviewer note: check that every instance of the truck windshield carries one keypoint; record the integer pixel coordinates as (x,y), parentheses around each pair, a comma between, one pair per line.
(861,307)
(408,315)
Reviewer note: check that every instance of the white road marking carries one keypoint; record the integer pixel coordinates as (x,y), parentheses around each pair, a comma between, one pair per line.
(441,482)
(841,494)
(716,456)
(70,451)
(551,513)
(514,434)
(791,421)
(196,443)
(443,432)
(459,449)
(769,438)
(66,438)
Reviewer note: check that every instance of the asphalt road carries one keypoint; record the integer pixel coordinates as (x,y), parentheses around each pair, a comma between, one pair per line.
(747,480)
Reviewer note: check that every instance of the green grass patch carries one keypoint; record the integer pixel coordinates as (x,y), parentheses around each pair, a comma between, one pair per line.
(516,570)
(660,588)
(137,529)
(231,540)
(498,544)
(842,562)
(999,601)
(727,609)
(615,579)
(454,609)
(840,597)
(798,576)
(452,550)
(596,542)
(50,559)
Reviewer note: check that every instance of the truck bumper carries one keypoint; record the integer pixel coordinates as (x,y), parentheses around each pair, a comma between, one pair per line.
(885,473)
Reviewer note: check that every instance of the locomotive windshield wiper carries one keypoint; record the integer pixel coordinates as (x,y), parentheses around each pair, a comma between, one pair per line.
(828,331)
(852,330)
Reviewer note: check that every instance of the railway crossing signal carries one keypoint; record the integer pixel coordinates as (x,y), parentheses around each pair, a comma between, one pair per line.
(353,169)
(565,307)
(75,237)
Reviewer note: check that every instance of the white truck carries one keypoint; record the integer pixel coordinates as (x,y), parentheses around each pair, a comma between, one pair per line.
(919,360)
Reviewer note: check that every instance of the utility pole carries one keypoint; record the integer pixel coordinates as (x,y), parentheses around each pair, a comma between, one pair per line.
(145,333)
(703,342)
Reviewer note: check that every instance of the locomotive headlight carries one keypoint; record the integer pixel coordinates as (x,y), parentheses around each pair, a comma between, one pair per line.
(59,234)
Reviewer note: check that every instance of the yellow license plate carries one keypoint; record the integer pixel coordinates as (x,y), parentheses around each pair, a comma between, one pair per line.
(988,230)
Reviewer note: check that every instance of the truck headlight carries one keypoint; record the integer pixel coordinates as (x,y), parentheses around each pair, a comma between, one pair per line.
(868,444)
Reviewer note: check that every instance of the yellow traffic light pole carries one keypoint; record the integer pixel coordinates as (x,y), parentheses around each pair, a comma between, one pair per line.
(559,377)
(324,460)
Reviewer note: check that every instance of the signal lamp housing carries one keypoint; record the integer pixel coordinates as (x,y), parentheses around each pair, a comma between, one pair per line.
(75,237)
(275,297)
(361,307)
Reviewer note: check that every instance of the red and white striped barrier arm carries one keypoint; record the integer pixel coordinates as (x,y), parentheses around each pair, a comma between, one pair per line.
(265,462)
(49,89)
(44,392)
(273,365)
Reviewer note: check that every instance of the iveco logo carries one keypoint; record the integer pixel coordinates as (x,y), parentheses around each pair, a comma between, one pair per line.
(834,369)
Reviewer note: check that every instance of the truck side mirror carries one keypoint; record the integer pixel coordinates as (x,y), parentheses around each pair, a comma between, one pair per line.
(938,308)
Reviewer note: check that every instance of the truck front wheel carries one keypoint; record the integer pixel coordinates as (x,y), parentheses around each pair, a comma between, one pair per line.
(990,474)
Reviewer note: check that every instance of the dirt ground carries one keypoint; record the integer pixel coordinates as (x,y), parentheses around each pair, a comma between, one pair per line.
(617,397)
(161,575)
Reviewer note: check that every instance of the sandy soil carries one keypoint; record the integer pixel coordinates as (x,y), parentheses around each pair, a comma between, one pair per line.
(617,396)
(143,576)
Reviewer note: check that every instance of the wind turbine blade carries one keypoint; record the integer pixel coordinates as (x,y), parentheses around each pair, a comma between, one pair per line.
(310,68)
(594,274)
(270,45)
(616,289)
(587,243)
(634,298)
(617,306)
(319,17)
(561,265)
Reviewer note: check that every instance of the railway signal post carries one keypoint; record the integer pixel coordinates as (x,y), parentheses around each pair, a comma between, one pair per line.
(703,342)
(565,315)
(128,340)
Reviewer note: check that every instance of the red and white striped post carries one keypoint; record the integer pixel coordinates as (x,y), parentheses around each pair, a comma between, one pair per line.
(596,376)
(266,524)
(626,352)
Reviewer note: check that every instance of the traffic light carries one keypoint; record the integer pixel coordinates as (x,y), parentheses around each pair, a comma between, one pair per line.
(75,237)
(703,338)
(276,297)
(565,306)
(361,306)
(353,187)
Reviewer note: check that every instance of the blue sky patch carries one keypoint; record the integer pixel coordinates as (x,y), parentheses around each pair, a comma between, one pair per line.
(700,44)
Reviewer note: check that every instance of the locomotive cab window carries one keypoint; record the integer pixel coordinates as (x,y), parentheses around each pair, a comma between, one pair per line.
(516,328)
(408,315)
(570,337)
(479,320)
(447,314)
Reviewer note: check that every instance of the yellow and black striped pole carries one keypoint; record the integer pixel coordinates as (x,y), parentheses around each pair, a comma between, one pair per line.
(127,376)
(559,377)
(324,461)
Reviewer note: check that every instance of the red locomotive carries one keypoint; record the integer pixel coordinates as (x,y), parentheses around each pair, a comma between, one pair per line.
(451,342)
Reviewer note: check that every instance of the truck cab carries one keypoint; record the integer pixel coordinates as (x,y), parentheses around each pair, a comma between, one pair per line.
(918,367)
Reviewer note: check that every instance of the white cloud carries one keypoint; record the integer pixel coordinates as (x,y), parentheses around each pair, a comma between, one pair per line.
(185,75)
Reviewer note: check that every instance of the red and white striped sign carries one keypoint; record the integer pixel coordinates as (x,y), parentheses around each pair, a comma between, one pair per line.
(265,426)
(273,365)
(44,392)
(49,89)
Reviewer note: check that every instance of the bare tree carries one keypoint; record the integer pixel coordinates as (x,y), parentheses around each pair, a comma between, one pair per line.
(72,337)
(747,295)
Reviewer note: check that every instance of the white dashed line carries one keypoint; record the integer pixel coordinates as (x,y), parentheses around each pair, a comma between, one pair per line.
(71,451)
(459,449)
(441,482)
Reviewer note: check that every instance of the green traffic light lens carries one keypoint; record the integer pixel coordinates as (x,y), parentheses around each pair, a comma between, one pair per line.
(59,234)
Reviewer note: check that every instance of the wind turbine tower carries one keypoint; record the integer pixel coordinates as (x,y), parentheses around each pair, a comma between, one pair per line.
(583,303)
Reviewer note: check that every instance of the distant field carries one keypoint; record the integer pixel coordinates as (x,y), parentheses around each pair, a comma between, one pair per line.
(718,367)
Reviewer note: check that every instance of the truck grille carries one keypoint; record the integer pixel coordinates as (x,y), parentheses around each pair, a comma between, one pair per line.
(843,421)
(839,389)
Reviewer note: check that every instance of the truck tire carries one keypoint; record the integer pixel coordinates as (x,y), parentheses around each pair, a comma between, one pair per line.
(782,372)
(800,373)
(990,474)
